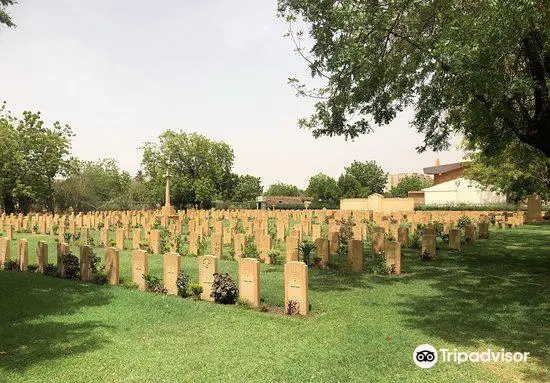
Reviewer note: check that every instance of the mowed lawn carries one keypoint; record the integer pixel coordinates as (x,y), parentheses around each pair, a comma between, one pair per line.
(495,295)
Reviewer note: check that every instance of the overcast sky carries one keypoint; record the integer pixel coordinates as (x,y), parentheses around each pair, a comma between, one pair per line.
(120,72)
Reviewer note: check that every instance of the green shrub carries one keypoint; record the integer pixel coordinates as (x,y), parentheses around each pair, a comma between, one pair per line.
(182,284)
(306,248)
(292,307)
(379,265)
(463,222)
(426,256)
(50,270)
(154,284)
(112,243)
(11,265)
(71,264)
(32,268)
(250,249)
(274,257)
(100,278)
(224,289)
(196,289)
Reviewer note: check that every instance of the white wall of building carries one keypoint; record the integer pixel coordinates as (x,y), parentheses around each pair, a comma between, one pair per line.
(461,190)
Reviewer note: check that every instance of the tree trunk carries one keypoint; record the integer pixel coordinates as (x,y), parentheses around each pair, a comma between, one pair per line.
(9,205)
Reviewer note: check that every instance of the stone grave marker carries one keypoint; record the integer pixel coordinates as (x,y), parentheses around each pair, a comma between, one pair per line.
(208,266)
(171,267)
(296,286)
(249,280)
(112,266)
(140,267)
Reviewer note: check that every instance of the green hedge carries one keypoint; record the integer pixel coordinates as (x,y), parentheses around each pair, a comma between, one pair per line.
(471,207)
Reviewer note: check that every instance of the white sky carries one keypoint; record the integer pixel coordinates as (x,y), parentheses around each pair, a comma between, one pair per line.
(120,72)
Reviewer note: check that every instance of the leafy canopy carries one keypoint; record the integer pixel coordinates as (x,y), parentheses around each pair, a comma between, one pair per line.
(281,189)
(478,67)
(323,188)
(4,16)
(407,184)
(247,188)
(518,171)
(362,179)
(31,155)
(200,168)
(97,185)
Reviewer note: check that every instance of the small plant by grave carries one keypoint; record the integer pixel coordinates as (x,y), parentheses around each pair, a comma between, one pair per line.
(224,290)
(250,249)
(379,265)
(274,256)
(71,264)
(426,256)
(196,289)
(154,284)
(182,284)
(11,265)
(50,270)
(292,307)
(463,222)
(306,248)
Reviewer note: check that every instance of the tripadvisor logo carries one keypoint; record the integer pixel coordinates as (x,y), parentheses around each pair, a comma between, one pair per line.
(426,356)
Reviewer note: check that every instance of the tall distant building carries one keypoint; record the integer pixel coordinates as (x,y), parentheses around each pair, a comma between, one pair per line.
(394,179)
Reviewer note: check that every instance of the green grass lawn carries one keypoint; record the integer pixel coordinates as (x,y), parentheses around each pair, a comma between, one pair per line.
(495,294)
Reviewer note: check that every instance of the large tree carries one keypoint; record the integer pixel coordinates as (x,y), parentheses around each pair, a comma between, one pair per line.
(281,189)
(362,179)
(99,185)
(248,188)
(518,171)
(200,168)
(323,188)
(477,67)
(407,184)
(31,155)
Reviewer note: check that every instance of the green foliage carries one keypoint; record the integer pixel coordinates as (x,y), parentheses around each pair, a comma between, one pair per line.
(32,268)
(426,256)
(518,171)
(379,265)
(468,207)
(100,277)
(463,222)
(196,289)
(182,284)
(11,265)
(71,264)
(323,188)
(275,257)
(247,188)
(31,155)
(50,270)
(200,169)
(482,70)
(408,184)
(250,249)
(145,245)
(344,236)
(416,238)
(4,16)
(224,289)
(362,179)
(281,189)
(292,307)
(306,248)
(154,284)
(100,185)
